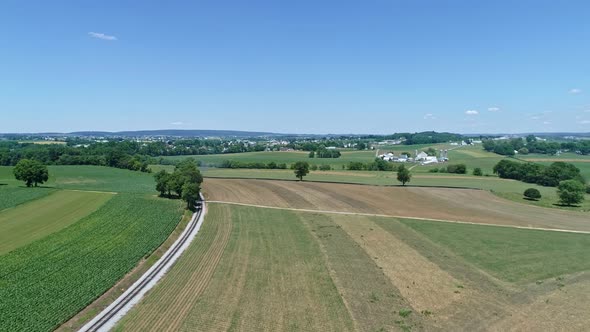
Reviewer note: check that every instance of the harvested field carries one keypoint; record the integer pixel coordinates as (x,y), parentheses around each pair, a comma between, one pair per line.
(466,205)
(260,269)
(270,277)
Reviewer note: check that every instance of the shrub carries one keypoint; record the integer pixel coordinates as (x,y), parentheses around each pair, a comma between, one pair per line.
(457,169)
(477,171)
(523,151)
(405,312)
(532,193)
(325,167)
(356,166)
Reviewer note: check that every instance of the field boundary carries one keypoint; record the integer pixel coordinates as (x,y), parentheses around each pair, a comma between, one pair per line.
(350,183)
(90,191)
(403,217)
(109,317)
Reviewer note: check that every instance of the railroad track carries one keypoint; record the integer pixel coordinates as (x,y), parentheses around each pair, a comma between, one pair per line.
(108,317)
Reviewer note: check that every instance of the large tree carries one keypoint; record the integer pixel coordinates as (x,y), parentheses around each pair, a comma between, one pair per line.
(403,175)
(301,169)
(31,171)
(571,192)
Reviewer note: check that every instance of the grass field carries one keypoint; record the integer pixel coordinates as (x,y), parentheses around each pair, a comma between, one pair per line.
(36,219)
(89,178)
(282,270)
(521,256)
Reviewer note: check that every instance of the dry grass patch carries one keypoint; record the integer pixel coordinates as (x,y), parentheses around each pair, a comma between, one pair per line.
(421,282)
(372,300)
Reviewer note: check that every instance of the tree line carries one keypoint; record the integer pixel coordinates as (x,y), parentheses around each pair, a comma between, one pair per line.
(532,145)
(549,176)
(184,183)
(325,153)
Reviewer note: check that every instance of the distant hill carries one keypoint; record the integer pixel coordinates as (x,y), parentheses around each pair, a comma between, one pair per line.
(163,132)
(176,133)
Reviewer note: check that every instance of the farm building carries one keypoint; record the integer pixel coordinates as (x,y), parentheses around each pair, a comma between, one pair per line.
(421,156)
(392,157)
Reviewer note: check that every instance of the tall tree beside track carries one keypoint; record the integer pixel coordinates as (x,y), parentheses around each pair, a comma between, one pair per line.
(185,181)
(301,169)
(403,175)
(31,171)
(190,194)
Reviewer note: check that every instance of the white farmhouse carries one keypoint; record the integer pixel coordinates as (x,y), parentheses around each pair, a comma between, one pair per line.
(421,156)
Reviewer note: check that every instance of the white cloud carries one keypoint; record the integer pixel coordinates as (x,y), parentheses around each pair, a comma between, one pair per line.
(494,109)
(178,123)
(471,112)
(587,111)
(535,117)
(101,36)
(575,91)
(546,122)
(584,122)
(429,116)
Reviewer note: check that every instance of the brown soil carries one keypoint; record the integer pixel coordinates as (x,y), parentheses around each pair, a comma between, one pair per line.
(413,202)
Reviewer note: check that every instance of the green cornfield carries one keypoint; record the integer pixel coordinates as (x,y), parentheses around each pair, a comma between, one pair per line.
(47,282)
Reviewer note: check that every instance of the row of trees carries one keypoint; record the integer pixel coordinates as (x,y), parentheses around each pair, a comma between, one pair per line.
(325,153)
(531,145)
(429,137)
(112,154)
(184,182)
(455,169)
(549,176)
(252,165)
(377,165)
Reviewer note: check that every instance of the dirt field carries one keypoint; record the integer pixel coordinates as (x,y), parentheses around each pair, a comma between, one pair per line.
(431,203)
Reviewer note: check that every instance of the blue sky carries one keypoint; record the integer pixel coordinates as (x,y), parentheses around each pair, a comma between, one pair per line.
(374,66)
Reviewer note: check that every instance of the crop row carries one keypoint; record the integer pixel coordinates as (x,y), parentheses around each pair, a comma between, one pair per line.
(45,283)
(13,196)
